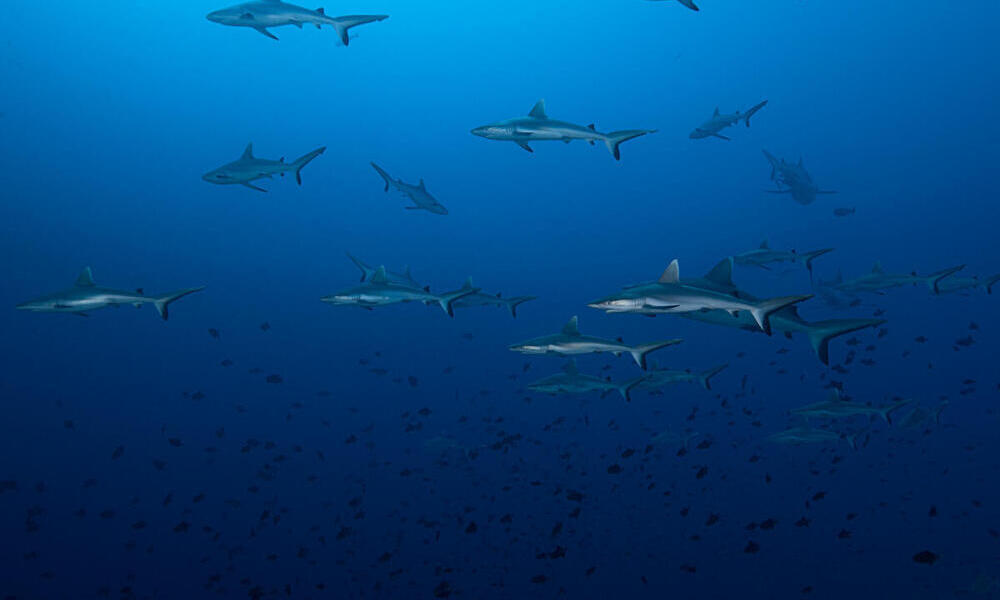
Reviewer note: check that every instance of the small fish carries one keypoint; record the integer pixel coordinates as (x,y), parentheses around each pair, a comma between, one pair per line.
(843,212)
(214,333)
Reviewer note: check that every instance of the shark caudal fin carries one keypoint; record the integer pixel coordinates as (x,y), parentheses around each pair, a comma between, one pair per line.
(886,413)
(366,270)
(302,161)
(162,302)
(746,116)
(934,278)
(616,138)
(626,388)
(705,377)
(763,310)
(639,352)
(385,176)
(513,303)
(989,281)
(689,3)
(344,24)
(809,257)
(821,332)
(446,301)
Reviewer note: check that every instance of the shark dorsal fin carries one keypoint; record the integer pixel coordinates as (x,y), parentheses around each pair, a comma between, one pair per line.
(877,267)
(592,127)
(716,113)
(672,274)
(570,367)
(722,273)
(538,111)
(468,284)
(572,327)
(321,11)
(422,186)
(379,276)
(85,278)
(765,246)
(834,395)
(248,153)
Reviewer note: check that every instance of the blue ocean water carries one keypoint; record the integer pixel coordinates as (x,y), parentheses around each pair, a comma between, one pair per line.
(135,464)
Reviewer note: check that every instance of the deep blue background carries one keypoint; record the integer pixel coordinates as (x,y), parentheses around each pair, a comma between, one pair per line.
(111,112)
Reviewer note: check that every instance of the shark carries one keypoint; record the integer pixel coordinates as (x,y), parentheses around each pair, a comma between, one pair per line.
(681,441)
(785,320)
(422,200)
(836,408)
(367,271)
(952,285)
(877,280)
(538,127)
(657,378)
(809,435)
(765,255)
(379,291)
(719,121)
(570,341)
(481,299)
(249,168)
(669,295)
(795,179)
(86,296)
(259,15)
(688,3)
(571,381)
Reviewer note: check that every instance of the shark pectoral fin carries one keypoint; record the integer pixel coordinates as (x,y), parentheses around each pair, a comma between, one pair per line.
(253,187)
(297,24)
(525,146)
(264,31)
(81,314)
(720,136)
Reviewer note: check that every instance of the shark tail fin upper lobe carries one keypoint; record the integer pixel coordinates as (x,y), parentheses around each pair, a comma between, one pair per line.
(162,302)
(304,160)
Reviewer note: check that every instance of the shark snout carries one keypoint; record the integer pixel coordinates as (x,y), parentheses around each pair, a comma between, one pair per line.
(214,16)
(480,131)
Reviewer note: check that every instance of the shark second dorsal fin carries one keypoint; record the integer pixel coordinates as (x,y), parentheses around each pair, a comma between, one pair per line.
(722,273)
(716,113)
(877,267)
(85,278)
(672,274)
(538,111)
(765,245)
(834,395)
(248,153)
(468,284)
(321,11)
(379,276)
(570,367)
(572,327)
(422,186)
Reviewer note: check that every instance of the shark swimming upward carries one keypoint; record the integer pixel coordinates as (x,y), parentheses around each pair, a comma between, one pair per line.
(793,179)
(85,296)
(538,127)
(262,14)
(718,122)
(249,168)
(422,200)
